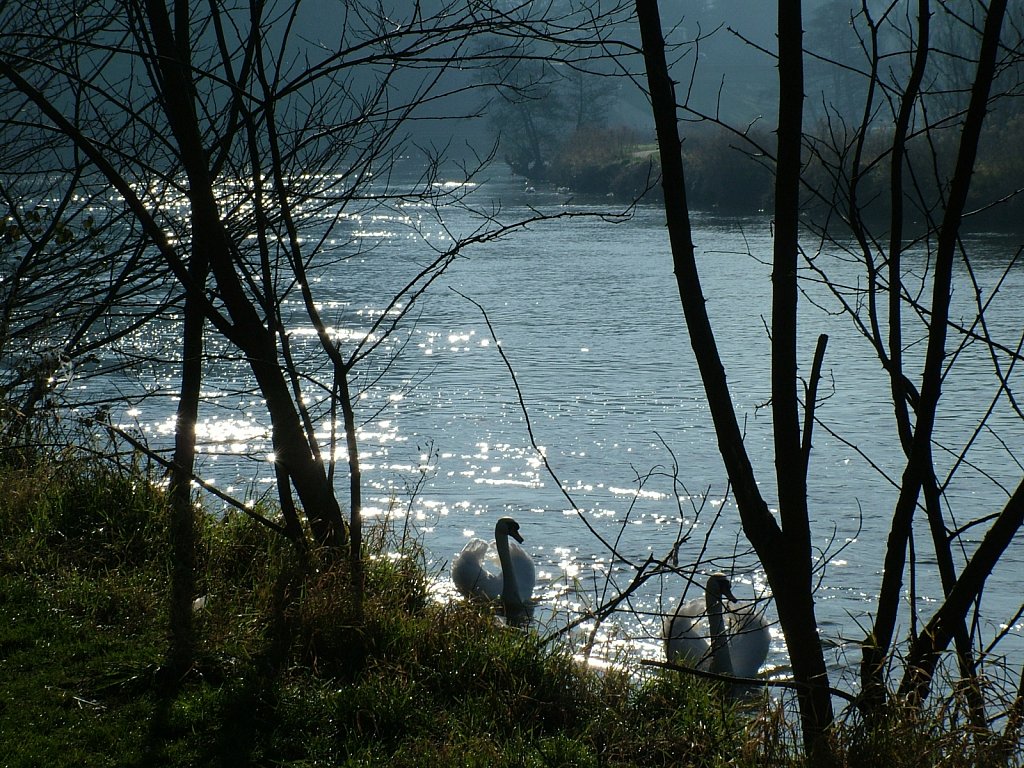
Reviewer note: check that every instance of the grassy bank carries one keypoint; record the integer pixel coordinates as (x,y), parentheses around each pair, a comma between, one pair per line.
(288,677)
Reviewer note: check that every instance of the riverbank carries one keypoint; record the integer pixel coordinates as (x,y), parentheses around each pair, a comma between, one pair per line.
(729,175)
(287,676)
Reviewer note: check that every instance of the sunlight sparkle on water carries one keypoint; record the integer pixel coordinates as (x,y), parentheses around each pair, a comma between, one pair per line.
(570,568)
(499,481)
(336,334)
(638,493)
(235,435)
(452,185)
(436,506)
(602,406)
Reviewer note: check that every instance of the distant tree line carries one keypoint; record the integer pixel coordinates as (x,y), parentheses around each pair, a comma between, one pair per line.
(726,175)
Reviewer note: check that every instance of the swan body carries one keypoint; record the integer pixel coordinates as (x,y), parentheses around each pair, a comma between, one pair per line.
(737,643)
(515,577)
(685,641)
(749,639)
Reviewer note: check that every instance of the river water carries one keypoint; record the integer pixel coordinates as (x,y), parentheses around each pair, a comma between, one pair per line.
(588,314)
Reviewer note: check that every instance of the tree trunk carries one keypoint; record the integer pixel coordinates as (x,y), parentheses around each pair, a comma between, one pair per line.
(183,524)
(785,556)
(920,469)
(941,629)
(183,528)
(792,578)
(248,332)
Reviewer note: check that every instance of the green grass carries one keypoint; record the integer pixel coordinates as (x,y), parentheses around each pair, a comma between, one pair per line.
(287,675)
(64,674)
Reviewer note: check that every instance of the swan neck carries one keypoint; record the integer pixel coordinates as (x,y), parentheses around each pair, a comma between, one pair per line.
(509,588)
(721,662)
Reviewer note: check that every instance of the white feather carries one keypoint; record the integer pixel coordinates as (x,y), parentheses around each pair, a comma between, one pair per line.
(476,571)
(688,637)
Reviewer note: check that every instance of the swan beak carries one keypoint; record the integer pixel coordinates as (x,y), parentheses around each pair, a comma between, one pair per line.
(516,535)
(727,593)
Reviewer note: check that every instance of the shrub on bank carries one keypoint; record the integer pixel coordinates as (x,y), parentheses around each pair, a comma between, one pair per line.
(623,164)
(605,162)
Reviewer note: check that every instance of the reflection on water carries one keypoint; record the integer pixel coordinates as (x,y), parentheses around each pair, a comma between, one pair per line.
(588,315)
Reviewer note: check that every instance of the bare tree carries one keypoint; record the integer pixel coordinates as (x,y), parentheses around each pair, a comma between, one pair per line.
(921,179)
(826,188)
(230,144)
(784,550)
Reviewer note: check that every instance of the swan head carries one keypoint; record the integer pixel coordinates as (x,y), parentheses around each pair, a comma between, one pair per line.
(718,586)
(508,527)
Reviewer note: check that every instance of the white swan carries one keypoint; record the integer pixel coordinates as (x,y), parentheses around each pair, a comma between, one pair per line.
(516,576)
(738,649)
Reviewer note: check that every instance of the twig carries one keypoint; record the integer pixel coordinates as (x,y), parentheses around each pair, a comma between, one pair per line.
(792,685)
(529,426)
